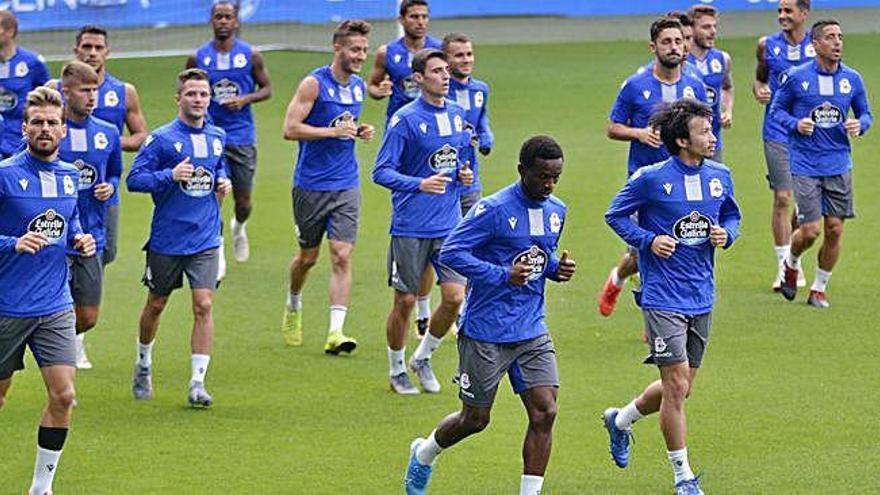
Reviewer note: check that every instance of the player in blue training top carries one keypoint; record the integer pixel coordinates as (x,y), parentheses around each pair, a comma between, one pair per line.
(420,162)
(639,97)
(324,117)
(813,105)
(507,247)
(777,53)
(392,68)
(20,71)
(181,166)
(39,223)
(686,211)
(239,77)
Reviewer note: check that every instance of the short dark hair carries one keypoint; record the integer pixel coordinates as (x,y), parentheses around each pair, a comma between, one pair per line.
(231,3)
(821,24)
(454,38)
(803,4)
(702,9)
(90,29)
(538,148)
(351,27)
(406,4)
(673,118)
(683,17)
(662,23)
(191,75)
(420,60)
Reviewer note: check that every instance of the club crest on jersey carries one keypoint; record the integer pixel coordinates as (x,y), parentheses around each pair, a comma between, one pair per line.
(646,94)
(693,229)
(776,50)
(810,51)
(826,115)
(458,125)
(50,224)
(715,188)
(206,61)
(478,99)
(844,86)
(239,61)
(397,58)
(536,258)
(21,69)
(225,89)
(218,147)
(111,99)
(444,160)
(8,99)
(358,94)
(464,381)
(711,95)
(200,184)
(687,92)
(100,141)
(659,344)
(555,223)
(716,65)
(69,188)
(88,175)
(410,88)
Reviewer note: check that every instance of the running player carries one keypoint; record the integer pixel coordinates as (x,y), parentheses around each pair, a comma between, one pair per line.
(813,105)
(239,77)
(39,222)
(714,66)
(686,211)
(506,246)
(323,116)
(419,161)
(181,166)
(638,98)
(777,53)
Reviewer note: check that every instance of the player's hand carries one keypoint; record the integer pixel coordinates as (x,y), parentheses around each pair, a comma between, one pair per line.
(762,92)
(475,141)
(718,236)
(853,127)
(519,274)
(385,87)
(103,191)
(485,151)
(466,175)
(435,184)
(805,126)
(663,246)
(566,267)
(223,188)
(650,136)
(183,171)
(726,119)
(346,129)
(31,243)
(365,132)
(235,103)
(85,244)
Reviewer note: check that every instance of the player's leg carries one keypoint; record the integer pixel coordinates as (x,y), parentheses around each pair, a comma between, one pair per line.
(162,275)
(780,181)
(86,284)
(407,259)
(242,161)
(14,333)
(626,267)
(201,270)
(341,235)
(838,203)
(423,302)
(809,199)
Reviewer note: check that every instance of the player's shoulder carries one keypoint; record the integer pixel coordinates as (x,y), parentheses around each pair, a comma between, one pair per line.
(30,56)
(690,79)
(555,201)
(214,131)
(243,45)
(846,70)
(104,126)
(717,167)
(651,172)
(67,168)
(204,48)
(802,70)
(479,85)
(432,42)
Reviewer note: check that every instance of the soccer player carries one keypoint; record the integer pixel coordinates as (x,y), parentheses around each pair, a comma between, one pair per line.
(39,223)
(686,211)
(323,116)
(714,66)
(419,161)
(637,100)
(181,166)
(20,71)
(813,105)
(687,32)
(777,53)
(506,246)
(239,77)
(94,147)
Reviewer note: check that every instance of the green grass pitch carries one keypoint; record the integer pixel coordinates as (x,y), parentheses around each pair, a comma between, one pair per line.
(786,401)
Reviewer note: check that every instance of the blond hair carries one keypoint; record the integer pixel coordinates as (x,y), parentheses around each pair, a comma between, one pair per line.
(43,97)
(76,72)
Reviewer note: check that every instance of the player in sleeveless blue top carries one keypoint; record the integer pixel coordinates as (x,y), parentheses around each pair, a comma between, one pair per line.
(776,54)
(324,117)
(20,71)
(714,66)
(506,245)
(239,78)
(392,73)
(39,222)
(419,161)
(686,211)
(638,99)
(181,167)
(814,104)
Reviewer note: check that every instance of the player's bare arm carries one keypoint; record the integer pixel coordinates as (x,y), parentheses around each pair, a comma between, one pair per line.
(727,92)
(379,84)
(761,85)
(295,128)
(623,132)
(134,121)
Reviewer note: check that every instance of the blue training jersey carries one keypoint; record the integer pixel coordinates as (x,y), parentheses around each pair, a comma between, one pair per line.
(18,76)
(499,231)
(712,69)
(473,98)
(639,96)
(231,74)
(186,218)
(398,60)
(36,196)
(111,107)
(330,164)
(780,57)
(422,140)
(826,98)
(683,202)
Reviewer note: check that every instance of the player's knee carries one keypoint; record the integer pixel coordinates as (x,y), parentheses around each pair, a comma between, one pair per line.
(404,301)
(543,416)
(202,307)
(62,399)
(781,200)
(810,231)
(307,259)
(155,305)
(833,231)
(85,322)
(341,261)
(475,421)
(453,299)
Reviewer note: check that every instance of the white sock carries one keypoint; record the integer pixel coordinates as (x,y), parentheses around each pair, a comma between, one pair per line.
(44,470)
(427,346)
(199,366)
(794,261)
(424,307)
(337,318)
(294,301)
(680,466)
(820,282)
(396,360)
(238,228)
(781,254)
(628,415)
(428,450)
(531,485)
(80,337)
(145,354)
(615,279)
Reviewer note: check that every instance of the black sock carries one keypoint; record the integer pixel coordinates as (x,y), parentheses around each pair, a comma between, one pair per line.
(51,438)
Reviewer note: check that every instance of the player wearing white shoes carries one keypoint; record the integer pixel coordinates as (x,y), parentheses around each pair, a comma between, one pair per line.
(323,116)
